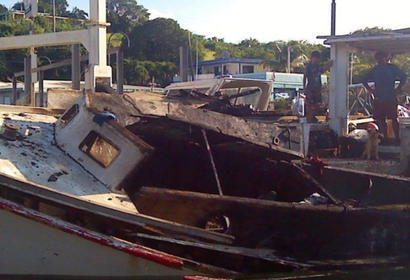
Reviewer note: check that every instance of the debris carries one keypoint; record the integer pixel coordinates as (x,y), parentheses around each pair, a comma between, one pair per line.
(317,163)
(10,131)
(34,128)
(27,132)
(65,172)
(54,177)
(103,117)
(315,199)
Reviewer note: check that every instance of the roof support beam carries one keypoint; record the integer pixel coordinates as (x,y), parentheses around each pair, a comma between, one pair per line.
(46,40)
(93,39)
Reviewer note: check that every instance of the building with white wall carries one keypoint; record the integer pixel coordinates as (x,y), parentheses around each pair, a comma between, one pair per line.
(231,66)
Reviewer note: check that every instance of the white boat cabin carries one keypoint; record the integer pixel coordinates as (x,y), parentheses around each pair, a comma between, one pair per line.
(83,153)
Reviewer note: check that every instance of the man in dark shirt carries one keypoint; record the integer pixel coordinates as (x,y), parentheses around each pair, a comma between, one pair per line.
(384,76)
(312,84)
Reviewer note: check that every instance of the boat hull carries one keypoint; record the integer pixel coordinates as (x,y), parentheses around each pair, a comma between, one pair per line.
(300,231)
(36,244)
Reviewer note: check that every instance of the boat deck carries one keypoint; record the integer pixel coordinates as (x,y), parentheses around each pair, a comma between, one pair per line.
(34,157)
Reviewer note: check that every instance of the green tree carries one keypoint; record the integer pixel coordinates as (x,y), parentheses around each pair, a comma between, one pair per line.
(158,40)
(3,9)
(125,14)
(46,6)
(78,13)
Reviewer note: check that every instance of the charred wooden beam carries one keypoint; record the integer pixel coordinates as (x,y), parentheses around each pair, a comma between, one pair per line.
(295,230)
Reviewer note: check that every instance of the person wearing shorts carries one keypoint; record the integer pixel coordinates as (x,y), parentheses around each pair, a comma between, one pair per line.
(384,75)
(312,85)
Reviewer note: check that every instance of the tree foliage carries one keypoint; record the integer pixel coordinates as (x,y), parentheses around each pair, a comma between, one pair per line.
(3,9)
(124,15)
(61,8)
(78,13)
(46,6)
(158,40)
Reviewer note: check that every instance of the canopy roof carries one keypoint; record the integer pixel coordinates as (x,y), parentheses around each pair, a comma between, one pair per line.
(230,60)
(395,41)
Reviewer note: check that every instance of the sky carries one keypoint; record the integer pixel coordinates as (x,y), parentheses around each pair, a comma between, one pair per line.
(269,20)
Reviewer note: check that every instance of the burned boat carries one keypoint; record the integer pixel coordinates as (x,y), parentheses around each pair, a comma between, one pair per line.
(60,199)
(223,173)
(190,181)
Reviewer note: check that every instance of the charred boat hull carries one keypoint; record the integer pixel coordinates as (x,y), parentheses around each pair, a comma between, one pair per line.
(302,232)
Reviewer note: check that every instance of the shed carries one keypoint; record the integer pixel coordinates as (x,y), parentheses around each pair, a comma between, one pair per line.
(394,42)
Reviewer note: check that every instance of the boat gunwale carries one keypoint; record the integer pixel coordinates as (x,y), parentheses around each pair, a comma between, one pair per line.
(122,215)
(121,245)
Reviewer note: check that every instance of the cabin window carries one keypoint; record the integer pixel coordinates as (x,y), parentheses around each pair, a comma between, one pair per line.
(247,69)
(99,149)
(70,114)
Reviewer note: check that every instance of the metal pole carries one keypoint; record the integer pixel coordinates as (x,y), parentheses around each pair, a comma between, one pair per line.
(197,61)
(351,67)
(41,88)
(289,50)
(208,148)
(120,71)
(333,20)
(54,15)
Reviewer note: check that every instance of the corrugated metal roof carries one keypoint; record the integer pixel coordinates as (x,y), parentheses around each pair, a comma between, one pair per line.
(395,41)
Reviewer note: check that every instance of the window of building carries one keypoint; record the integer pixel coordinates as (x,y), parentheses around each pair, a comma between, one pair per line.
(246,69)
(99,149)
(70,114)
(216,70)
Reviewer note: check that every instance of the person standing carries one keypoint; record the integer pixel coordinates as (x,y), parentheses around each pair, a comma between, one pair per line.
(384,75)
(312,84)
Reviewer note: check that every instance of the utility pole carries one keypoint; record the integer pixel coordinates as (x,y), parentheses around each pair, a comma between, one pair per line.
(351,67)
(196,61)
(333,20)
(54,15)
(290,49)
